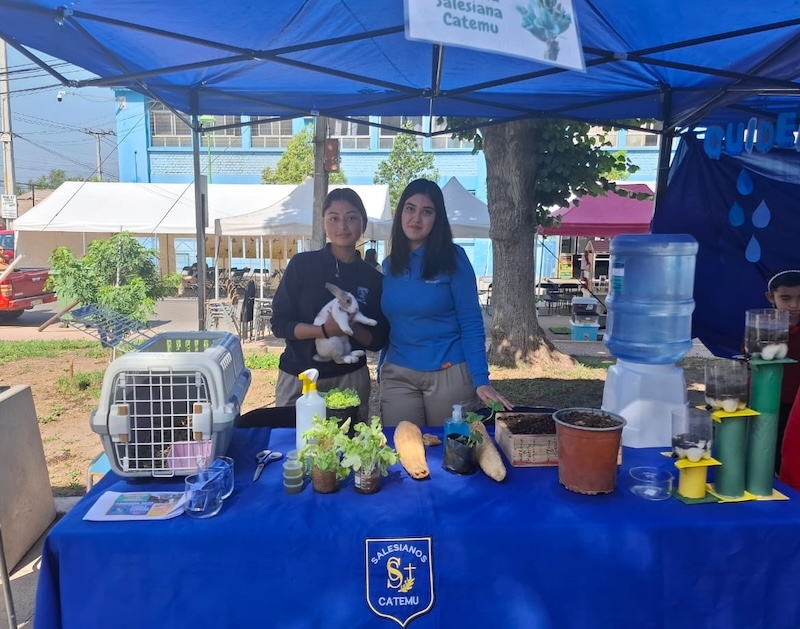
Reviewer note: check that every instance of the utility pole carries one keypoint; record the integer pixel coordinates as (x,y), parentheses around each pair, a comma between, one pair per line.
(98,134)
(9,185)
(320,182)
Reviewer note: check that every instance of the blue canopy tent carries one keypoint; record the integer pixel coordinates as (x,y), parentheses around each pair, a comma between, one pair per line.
(681,62)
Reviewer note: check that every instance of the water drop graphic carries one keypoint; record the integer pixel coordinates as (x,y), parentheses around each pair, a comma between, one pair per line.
(762,215)
(744,184)
(753,251)
(736,215)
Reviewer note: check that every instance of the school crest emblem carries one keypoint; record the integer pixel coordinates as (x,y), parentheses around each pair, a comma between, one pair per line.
(399,577)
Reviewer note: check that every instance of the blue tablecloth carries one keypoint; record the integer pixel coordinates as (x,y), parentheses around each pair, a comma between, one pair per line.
(525,553)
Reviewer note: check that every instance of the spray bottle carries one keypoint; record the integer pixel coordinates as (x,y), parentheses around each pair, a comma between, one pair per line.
(310,403)
(455,424)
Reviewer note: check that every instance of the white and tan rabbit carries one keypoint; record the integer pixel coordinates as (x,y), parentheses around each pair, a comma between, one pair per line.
(344,309)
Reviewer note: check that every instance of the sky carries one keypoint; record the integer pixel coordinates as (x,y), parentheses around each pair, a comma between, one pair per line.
(49,134)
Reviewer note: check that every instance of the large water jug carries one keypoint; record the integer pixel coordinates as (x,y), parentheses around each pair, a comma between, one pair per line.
(650,300)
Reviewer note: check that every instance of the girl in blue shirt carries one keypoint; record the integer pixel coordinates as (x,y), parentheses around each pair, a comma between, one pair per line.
(436,355)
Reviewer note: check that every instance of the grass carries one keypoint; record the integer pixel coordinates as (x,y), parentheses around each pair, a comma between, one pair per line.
(82,383)
(268,360)
(11,351)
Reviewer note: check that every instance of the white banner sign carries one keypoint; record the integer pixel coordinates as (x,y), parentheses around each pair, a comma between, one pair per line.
(8,208)
(542,30)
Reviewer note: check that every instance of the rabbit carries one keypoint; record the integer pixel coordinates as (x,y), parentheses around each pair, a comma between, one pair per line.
(344,309)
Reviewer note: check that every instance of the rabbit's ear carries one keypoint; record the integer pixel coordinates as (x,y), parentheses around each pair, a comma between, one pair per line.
(337,292)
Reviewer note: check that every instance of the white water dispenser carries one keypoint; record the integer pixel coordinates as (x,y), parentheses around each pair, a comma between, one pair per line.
(649,329)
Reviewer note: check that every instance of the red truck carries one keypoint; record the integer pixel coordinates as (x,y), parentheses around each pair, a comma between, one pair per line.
(21,289)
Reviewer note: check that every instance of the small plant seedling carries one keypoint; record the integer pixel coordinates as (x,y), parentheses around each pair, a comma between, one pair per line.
(342,398)
(368,449)
(476,437)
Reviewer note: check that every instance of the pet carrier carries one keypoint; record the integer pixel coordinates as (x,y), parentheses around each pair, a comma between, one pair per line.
(172,400)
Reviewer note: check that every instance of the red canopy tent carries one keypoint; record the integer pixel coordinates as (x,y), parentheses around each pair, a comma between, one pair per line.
(605,216)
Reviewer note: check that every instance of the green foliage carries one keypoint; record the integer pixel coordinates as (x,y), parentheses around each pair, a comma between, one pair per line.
(368,449)
(82,383)
(568,161)
(325,443)
(11,351)
(269,360)
(52,180)
(405,163)
(118,273)
(341,398)
(472,419)
(297,163)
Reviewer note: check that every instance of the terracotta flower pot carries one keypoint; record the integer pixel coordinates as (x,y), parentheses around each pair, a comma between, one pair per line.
(367,483)
(588,447)
(324,481)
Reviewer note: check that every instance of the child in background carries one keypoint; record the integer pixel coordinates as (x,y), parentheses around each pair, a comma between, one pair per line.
(783,292)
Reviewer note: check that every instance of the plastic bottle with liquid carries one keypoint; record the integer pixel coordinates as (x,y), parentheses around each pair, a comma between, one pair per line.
(310,403)
(455,424)
(650,302)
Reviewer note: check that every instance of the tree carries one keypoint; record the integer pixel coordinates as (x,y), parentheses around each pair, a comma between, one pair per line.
(405,163)
(118,273)
(52,180)
(297,163)
(532,165)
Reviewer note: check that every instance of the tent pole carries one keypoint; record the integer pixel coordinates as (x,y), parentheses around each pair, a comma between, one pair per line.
(199,216)
(216,266)
(261,266)
(664,152)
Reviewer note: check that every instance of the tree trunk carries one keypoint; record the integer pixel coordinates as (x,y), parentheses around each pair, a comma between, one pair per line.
(511,167)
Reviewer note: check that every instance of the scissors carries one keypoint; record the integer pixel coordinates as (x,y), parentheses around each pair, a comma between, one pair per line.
(264,458)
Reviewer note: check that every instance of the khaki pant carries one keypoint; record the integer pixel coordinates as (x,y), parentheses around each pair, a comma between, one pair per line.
(289,388)
(425,398)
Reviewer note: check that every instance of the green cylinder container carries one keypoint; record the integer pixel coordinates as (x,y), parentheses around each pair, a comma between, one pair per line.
(730,442)
(765,397)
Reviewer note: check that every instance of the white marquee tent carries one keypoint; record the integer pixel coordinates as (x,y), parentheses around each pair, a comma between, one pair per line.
(79,212)
(468,215)
(292,215)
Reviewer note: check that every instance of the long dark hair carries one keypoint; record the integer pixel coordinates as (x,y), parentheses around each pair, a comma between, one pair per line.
(440,253)
(350,196)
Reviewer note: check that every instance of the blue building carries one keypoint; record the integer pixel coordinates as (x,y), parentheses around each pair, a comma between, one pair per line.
(155,146)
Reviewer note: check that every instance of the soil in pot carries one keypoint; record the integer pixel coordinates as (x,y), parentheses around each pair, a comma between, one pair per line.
(324,481)
(367,483)
(459,458)
(588,445)
(530,424)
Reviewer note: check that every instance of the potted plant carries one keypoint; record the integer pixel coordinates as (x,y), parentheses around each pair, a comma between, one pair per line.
(368,455)
(459,447)
(588,448)
(325,442)
(343,403)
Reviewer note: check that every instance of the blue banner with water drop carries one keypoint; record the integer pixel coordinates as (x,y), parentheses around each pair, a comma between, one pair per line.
(744,212)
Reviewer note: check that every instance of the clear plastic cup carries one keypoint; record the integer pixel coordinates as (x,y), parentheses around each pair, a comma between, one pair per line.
(225,465)
(651,483)
(203,493)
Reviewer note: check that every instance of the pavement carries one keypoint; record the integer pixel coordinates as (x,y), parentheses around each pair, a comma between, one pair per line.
(182,314)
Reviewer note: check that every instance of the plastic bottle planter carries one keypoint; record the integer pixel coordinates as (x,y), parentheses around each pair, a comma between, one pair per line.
(588,447)
(459,458)
(324,481)
(766,333)
(367,482)
(726,384)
